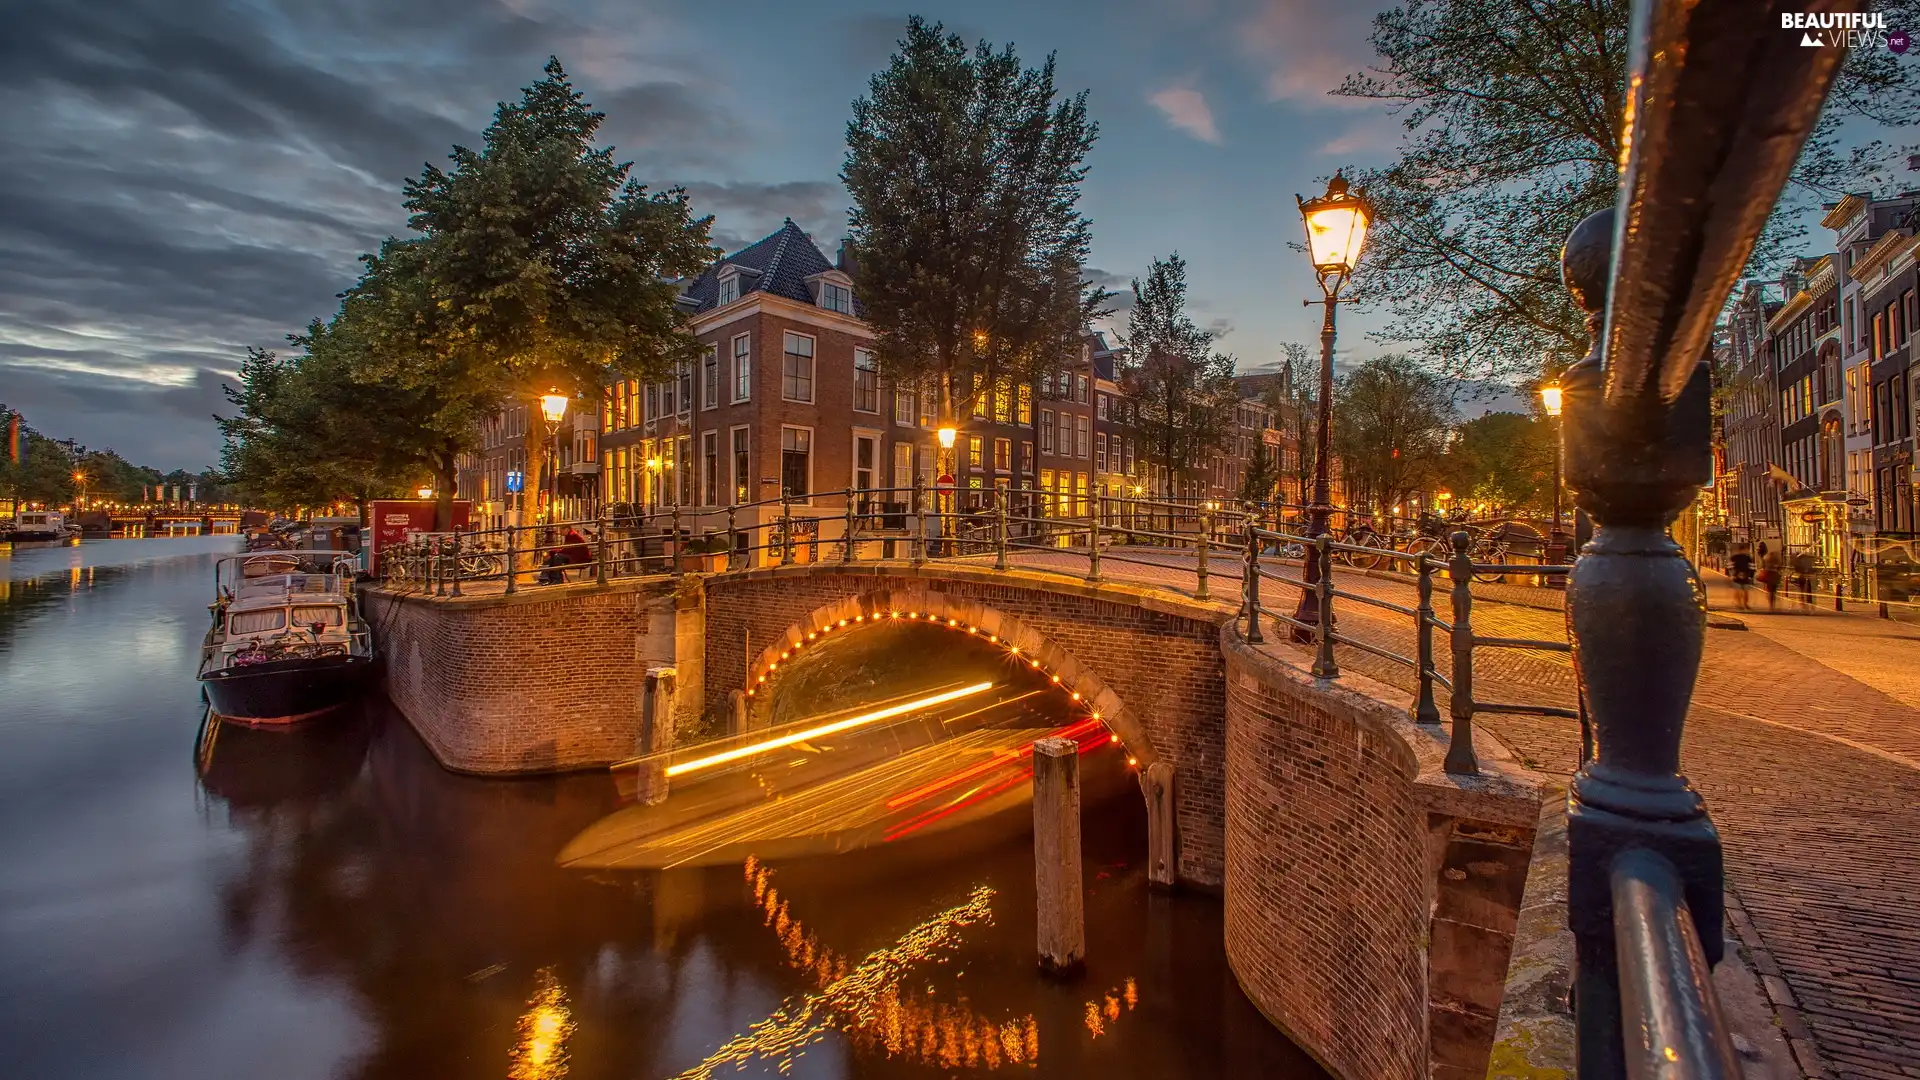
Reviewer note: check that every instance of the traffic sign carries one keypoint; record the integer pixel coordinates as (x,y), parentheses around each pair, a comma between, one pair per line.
(516,480)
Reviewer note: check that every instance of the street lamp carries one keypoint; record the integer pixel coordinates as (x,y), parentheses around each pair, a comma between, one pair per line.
(553,409)
(1336,231)
(654,465)
(1550,400)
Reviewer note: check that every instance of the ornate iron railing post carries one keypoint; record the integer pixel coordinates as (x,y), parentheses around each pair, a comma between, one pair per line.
(1093,544)
(919,545)
(678,543)
(1250,592)
(733,536)
(1424,709)
(439,563)
(513,575)
(1323,663)
(786,529)
(1719,106)
(1000,529)
(454,559)
(1460,757)
(846,546)
(600,549)
(1200,560)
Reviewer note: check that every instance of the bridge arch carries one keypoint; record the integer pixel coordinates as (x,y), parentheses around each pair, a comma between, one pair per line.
(969,618)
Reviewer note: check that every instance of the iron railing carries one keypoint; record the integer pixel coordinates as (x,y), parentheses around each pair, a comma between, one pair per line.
(1196,544)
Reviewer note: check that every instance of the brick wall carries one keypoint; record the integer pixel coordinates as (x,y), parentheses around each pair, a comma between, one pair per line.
(1338,818)
(546,680)
(1149,663)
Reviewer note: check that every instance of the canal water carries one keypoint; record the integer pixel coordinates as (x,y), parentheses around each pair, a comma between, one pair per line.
(331,903)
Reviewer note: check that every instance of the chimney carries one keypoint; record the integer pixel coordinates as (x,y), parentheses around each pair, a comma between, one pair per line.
(843,260)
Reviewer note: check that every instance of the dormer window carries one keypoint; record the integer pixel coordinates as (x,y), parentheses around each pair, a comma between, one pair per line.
(729,288)
(836,297)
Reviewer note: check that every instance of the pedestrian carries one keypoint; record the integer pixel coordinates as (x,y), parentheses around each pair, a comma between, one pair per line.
(1803,564)
(1770,575)
(1740,571)
(553,567)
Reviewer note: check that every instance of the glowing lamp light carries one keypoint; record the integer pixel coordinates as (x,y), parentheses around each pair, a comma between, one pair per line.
(947,435)
(553,406)
(425,492)
(1336,227)
(1550,398)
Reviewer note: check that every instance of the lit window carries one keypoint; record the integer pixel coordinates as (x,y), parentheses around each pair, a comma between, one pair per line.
(743,367)
(866,382)
(796,451)
(796,382)
(903,408)
(1003,454)
(973,450)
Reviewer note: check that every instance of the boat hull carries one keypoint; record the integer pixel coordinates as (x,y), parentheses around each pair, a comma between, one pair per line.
(287,691)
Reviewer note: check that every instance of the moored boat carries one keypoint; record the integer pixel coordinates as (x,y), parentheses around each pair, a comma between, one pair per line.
(41,527)
(287,641)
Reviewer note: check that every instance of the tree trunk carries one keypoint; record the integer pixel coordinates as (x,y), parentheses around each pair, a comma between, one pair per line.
(445,477)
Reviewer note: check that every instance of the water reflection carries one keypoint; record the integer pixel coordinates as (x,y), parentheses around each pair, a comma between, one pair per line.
(328,902)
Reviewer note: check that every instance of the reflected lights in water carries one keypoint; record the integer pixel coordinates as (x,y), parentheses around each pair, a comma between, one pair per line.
(540,1053)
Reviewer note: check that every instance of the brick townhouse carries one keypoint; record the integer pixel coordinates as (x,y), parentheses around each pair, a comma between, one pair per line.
(1889,311)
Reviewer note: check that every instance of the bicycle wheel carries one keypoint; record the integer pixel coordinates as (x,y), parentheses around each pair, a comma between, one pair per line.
(1494,553)
(1370,559)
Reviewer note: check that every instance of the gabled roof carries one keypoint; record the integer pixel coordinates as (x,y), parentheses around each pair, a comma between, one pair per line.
(779,264)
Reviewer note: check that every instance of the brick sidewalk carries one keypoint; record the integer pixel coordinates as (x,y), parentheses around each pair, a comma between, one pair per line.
(1805,740)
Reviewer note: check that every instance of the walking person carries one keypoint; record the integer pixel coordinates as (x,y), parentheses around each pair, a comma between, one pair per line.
(1740,570)
(1770,575)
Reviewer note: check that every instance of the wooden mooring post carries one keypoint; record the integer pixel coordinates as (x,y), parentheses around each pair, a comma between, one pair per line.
(1056,855)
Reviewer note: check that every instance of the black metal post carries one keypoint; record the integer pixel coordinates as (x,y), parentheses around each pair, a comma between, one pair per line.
(733,536)
(454,558)
(1424,709)
(677,542)
(1317,521)
(1200,562)
(919,545)
(1324,666)
(1251,591)
(846,547)
(1093,545)
(1460,757)
(1000,529)
(512,569)
(600,551)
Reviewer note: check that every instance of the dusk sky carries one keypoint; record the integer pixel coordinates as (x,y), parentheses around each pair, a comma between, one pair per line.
(184,178)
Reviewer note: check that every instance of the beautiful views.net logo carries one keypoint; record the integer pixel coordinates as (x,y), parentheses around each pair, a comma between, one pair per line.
(1851,29)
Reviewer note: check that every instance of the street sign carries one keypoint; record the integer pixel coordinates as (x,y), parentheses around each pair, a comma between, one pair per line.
(516,480)
(945,483)
(1858,500)
(1813,517)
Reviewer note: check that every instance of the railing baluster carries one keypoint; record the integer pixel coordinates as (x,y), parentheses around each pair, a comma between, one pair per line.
(846,546)
(1460,759)
(786,529)
(455,558)
(1323,663)
(1000,529)
(919,545)
(1425,711)
(677,544)
(733,538)
(600,553)
(512,567)
(1250,592)
(1200,565)
(1093,544)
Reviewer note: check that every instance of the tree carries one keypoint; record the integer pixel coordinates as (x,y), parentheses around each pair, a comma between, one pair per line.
(1262,476)
(538,262)
(1184,391)
(44,473)
(1390,422)
(969,244)
(1504,460)
(1512,111)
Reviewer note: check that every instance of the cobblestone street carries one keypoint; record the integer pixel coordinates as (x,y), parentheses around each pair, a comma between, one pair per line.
(1805,740)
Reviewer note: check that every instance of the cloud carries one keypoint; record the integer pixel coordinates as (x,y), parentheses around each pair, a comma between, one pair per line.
(745,212)
(185,178)
(1371,136)
(1186,108)
(1304,48)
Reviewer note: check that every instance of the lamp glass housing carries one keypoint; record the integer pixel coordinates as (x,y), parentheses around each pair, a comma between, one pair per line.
(1550,398)
(553,406)
(947,436)
(1336,228)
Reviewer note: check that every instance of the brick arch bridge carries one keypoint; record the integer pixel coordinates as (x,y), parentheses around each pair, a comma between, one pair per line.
(1368,896)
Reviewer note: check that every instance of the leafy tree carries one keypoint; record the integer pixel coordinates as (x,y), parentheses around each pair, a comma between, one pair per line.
(1512,111)
(1390,422)
(1504,460)
(44,473)
(1183,390)
(969,244)
(538,262)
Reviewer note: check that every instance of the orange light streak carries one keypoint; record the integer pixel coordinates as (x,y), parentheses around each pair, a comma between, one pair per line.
(837,726)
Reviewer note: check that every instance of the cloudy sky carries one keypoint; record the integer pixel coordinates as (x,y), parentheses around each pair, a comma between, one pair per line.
(180,179)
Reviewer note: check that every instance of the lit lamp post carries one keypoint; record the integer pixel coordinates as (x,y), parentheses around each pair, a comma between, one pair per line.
(654,465)
(1550,400)
(1336,230)
(553,409)
(948,435)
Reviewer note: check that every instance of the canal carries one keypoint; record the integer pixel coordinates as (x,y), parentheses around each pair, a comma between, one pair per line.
(331,903)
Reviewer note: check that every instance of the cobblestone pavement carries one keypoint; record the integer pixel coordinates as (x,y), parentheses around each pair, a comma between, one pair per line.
(1805,740)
